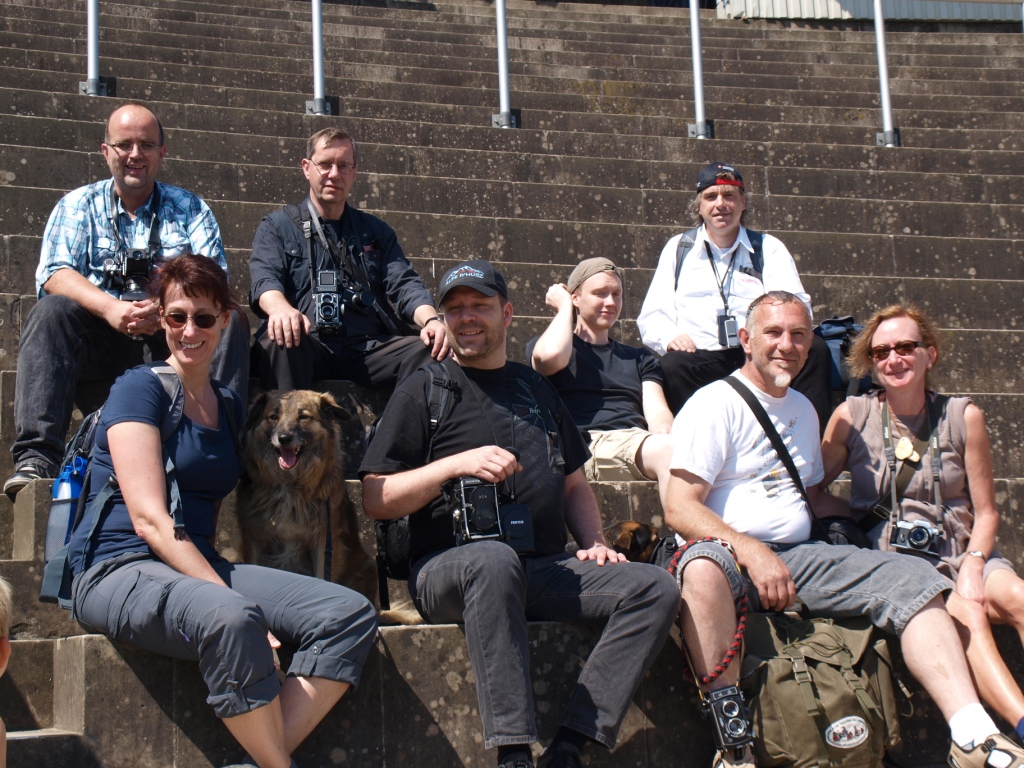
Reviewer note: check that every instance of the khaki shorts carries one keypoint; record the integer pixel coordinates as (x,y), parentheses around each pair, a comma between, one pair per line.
(613,454)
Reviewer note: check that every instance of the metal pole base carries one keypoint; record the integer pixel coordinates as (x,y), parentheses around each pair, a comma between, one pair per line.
(511,119)
(101,86)
(328,105)
(705,130)
(888,138)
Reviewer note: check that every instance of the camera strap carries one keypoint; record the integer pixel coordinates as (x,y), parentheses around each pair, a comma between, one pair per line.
(721,281)
(817,529)
(154,223)
(934,410)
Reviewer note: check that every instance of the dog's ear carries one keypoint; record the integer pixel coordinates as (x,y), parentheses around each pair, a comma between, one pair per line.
(329,405)
(256,407)
(619,536)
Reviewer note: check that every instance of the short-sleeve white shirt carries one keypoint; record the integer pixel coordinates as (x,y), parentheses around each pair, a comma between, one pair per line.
(717,437)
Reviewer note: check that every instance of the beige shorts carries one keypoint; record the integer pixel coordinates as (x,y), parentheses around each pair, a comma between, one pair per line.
(614,454)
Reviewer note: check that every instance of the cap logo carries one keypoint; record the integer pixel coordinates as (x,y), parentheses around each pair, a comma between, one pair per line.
(464,271)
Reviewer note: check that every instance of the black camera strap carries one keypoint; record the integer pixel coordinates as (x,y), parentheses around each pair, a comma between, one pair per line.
(721,281)
(817,529)
(934,410)
(154,223)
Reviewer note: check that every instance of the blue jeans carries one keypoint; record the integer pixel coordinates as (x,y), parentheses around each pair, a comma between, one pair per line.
(62,344)
(488,588)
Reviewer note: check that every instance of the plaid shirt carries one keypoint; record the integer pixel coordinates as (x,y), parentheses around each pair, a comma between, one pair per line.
(79,234)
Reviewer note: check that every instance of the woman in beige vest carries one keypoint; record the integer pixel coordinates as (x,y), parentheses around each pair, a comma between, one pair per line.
(931,452)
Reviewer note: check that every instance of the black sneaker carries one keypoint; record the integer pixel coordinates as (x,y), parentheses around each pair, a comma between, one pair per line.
(24,473)
(517,764)
(564,757)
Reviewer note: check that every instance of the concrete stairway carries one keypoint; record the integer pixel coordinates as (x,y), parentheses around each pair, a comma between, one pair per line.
(602,168)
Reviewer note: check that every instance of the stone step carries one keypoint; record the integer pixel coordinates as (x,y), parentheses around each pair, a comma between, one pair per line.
(611,34)
(575,178)
(51,747)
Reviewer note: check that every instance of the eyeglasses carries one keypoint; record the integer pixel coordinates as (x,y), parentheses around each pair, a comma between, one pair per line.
(903,349)
(125,147)
(343,168)
(204,321)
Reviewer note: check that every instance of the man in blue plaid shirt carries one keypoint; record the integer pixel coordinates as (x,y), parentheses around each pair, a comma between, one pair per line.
(89,324)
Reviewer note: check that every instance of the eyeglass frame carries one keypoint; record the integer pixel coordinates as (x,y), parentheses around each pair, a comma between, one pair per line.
(144,146)
(169,317)
(344,169)
(889,349)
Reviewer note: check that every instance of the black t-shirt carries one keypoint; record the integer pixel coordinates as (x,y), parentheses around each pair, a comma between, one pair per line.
(498,407)
(602,386)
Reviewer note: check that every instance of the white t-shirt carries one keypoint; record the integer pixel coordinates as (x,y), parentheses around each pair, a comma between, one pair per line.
(717,437)
(693,308)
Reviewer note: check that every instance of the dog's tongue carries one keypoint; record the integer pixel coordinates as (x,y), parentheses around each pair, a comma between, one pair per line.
(287,458)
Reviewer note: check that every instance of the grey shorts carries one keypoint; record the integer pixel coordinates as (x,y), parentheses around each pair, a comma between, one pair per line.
(843,581)
(146,603)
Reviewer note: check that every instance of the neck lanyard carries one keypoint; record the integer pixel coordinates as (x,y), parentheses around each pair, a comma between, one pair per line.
(510,481)
(154,222)
(934,456)
(728,270)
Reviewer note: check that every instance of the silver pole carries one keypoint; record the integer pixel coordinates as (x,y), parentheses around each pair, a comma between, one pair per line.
(888,134)
(319,102)
(93,35)
(698,70)
(504,100)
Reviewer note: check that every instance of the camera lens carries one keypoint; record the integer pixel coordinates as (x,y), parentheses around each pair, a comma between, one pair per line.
(918,537)
(730,708)
(735,727)
(485,512)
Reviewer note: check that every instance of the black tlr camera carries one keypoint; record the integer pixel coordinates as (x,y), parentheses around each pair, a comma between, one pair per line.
(916,536)
(480,514)
(333,297)
(128,273)
(729,716)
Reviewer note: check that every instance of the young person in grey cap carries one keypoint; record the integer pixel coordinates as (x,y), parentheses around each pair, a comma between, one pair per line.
(506,426)
(614,392)
(704,282)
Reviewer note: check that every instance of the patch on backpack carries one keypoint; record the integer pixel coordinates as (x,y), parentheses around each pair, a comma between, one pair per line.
(847,733)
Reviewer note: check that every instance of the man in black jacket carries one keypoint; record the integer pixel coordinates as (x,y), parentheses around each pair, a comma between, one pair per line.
(338,297)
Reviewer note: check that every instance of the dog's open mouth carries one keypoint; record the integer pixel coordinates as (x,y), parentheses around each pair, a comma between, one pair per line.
(288,456)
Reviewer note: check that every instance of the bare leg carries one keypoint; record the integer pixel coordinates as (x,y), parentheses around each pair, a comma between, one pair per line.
(270,734)
(707,629)
(261,734)
(1004,592)
(932,652)
(653,459)
(305,701)
(995,683)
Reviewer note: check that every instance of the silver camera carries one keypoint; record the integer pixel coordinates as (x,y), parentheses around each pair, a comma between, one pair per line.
(728,331)
(916,536)
(128,273)
(479,514)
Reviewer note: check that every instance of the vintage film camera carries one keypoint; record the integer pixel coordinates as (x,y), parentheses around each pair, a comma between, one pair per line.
(729,716)
(728,331)
(331,298)
(916,536)
(479,514)
(128,273)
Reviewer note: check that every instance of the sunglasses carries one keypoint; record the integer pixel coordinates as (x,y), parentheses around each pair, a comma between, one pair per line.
(903,349)
(178,320)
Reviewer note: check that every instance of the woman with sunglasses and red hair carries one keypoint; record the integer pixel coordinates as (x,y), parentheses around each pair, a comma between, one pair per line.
(154,579)
(931,454)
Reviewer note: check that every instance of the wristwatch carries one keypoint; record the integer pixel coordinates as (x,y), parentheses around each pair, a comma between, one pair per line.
(978,553)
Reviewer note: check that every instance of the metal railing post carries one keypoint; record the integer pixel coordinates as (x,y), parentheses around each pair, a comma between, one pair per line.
(92,85)
(889,136)
(702,129)
(318,106)
(504,117)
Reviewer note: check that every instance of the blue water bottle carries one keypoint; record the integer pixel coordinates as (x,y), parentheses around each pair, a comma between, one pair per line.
(66,490)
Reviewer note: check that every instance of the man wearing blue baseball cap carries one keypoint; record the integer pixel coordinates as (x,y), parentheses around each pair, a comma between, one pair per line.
(492,483)
(704,282)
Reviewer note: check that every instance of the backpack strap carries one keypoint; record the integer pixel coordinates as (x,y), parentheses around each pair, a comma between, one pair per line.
(756,258)
(440,387)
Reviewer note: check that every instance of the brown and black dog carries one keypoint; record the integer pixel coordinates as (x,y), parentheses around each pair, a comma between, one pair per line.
(637,541)
(293,481)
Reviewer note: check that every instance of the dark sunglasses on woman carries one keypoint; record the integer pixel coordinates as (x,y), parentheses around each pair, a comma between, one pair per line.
(178,319)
